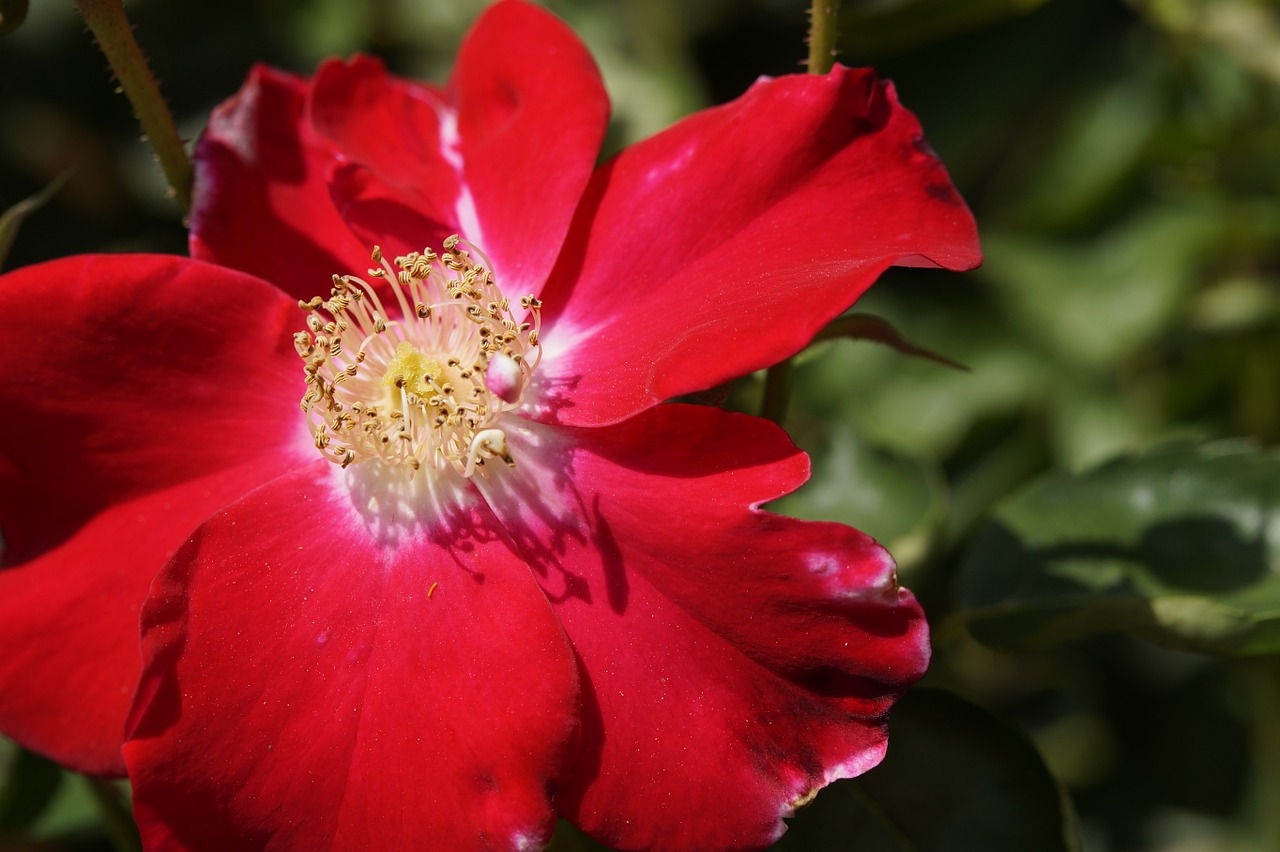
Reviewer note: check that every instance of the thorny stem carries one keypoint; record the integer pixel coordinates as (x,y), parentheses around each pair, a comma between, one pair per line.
(822,51)
(110,26)
(823,16)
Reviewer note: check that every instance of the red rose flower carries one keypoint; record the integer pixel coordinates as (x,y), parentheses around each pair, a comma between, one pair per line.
(479,576)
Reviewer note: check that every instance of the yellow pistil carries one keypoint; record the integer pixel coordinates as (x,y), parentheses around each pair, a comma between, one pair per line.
(411,388)
(412,370)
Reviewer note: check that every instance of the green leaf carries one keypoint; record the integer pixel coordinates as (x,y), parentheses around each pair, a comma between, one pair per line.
(956,778)
(1089,157)
(1093,418)
(1246,30)
(911,407)
(1094,302)
(1180,545)
(28,785)
(73,810)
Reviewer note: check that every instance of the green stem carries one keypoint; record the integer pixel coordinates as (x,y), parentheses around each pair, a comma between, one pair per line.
(116,818)
(110,26)
(777,391)
(993,475)
(823,15)
(1266,749)
(822,51)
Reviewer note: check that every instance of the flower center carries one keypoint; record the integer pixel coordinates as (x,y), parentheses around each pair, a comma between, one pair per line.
(424,386)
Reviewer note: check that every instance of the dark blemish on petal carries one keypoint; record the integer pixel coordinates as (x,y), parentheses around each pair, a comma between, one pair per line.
(943,192)
(922,146)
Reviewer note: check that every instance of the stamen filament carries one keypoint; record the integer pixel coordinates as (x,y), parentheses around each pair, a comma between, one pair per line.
(412,389)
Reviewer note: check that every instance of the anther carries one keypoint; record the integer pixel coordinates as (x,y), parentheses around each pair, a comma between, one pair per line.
(427,395)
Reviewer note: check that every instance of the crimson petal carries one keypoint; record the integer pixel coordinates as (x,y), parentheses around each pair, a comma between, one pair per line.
(500,156)
(130,432)
(313,683)
(262,200)
(723,244)
(69,621)
(733,660)
(530,104)
(394,187)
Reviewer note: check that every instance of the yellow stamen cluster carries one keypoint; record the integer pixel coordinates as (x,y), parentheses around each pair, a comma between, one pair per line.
(425,385)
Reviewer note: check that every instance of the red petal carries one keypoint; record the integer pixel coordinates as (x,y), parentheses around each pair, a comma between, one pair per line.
(380,216)
(532,113)
(501,156)
(69,621)
(307,687)
(733,660)
(394,189)
(262,191)
(388,132)
(133,414)
(723,244)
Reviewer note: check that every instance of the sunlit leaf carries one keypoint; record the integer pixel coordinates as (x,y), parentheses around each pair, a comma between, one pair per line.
(1180,545)
(1246,30)
(1093,154)
(1095,301)
(1092,418)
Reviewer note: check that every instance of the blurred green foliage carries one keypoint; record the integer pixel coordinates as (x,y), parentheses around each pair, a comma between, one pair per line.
(1177,545)
(1123,161)
(978,779)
